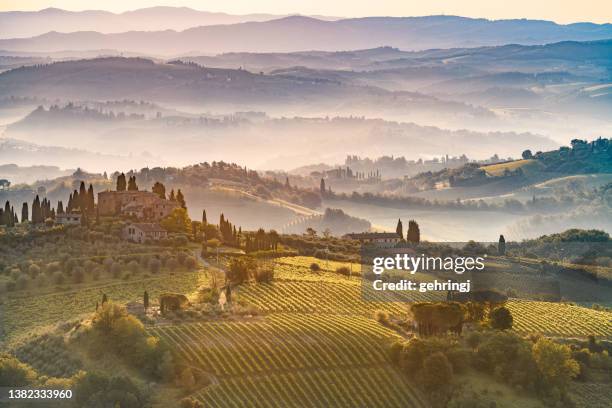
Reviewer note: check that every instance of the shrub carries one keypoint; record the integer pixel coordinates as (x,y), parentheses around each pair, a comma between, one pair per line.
(33,270)
(315,267)
(240,269)
(78,275)
(133,266)
(172,264)
(437,372)
(14,373)
(190,263)
(501,318)
(264,274)
(10,285)
(343,270)
(116,269)
(190,403)
(58,278)
(460,358)
(154,265)
(22,282)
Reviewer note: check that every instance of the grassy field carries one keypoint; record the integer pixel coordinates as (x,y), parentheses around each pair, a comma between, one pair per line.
(527,166)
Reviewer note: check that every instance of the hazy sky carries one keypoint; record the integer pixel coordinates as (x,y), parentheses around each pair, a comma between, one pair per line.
(562,11)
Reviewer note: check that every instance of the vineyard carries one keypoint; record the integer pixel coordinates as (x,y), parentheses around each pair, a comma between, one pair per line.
(378,386)
(325,265)
(293,360)
(23,313)
(322,297)
(559,319)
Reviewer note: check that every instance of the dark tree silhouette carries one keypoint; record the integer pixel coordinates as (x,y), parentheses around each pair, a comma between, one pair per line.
(400,229)
(132,186)
(414,233)
(501,318)
(501,246)
(204,221)
(159,189)
(121,183)
(181,199)
(24,212)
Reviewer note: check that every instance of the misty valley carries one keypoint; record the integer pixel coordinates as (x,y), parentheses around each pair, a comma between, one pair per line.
(191,204)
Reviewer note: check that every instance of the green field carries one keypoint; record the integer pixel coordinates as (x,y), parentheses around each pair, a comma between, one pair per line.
(527,166)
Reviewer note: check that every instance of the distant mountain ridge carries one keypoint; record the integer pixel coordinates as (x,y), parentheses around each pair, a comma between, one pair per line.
(21,24)
(298,33)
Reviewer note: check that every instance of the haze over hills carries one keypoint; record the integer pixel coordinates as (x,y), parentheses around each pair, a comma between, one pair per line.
(30,23)
(265,142)
(298,33)
(220,90)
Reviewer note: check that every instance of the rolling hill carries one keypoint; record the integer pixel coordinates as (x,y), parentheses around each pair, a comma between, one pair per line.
(190,84)
(298,33)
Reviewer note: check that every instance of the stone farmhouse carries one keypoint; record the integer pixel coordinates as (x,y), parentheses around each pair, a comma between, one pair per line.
(142,205)
(378,239)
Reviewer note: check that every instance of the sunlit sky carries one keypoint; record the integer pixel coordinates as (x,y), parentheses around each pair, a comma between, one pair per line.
(562,11)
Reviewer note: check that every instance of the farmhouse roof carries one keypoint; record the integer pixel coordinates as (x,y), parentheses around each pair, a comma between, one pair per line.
(372,235)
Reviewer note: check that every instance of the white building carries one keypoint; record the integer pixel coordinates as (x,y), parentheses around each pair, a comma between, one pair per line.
(144,232)
(379,239)
(68,219)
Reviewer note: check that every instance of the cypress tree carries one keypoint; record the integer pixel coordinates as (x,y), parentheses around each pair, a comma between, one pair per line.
(414,233)
(400,229)
(172,197)
(159,189)
(501,246)
(24,212)
(91,201)
(145,300)
(132,186)
(36,213)
(60,207)
(8,214)
(204,222)
(76,201)
(121,183)
(322,187)
(83,197)
(181,199)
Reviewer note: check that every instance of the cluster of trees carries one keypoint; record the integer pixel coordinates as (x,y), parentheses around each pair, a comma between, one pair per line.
(413,235)
(261,241)
(82,200)
(229,234)
(197,176)
(8,216)
(41,211)
(537,365)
